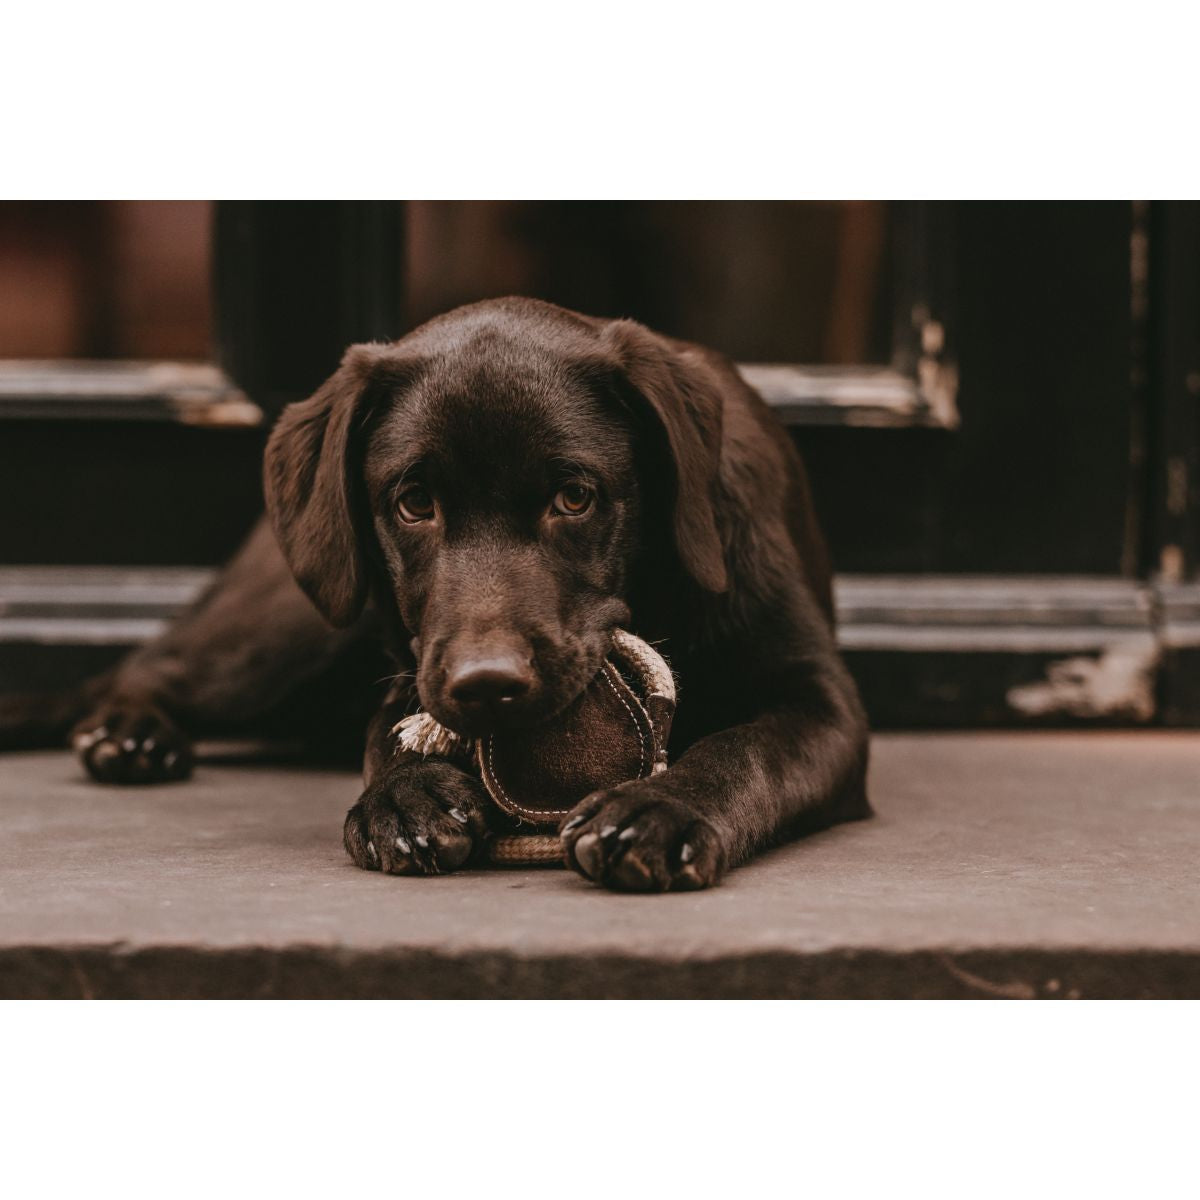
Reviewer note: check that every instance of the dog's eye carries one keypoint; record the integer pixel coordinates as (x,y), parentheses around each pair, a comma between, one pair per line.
(574,500)
(415,504)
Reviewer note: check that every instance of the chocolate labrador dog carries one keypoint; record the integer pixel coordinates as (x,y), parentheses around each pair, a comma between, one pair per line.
(498,491)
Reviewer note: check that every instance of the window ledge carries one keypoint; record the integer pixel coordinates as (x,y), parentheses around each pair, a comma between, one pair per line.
(201,394)
(78,389)
(867,397)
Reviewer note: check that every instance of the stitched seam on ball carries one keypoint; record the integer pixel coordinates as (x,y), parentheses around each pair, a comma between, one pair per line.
(636,723)
(534,813)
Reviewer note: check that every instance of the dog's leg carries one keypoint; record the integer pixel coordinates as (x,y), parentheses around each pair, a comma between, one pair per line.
(233,656)
(42,720)
(792,762)
(417,816)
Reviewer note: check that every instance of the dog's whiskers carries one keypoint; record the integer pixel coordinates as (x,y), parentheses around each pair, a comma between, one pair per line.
(398,675)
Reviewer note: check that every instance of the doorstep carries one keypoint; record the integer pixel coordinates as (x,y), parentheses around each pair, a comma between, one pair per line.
(1037,864)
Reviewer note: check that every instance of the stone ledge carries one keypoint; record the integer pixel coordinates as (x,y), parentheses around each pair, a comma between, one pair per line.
(323,973)
(1001,865)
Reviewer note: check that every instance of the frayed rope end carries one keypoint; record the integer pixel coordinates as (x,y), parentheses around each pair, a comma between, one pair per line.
(424,735)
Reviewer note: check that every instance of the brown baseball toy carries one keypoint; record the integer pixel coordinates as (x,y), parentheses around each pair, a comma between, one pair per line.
(616,730)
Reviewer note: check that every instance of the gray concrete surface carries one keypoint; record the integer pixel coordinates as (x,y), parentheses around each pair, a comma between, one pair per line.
(1022,865)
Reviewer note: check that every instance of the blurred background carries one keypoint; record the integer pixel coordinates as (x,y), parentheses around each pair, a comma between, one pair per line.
(997,404)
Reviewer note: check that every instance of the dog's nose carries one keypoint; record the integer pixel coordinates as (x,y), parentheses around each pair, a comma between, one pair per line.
(492,680)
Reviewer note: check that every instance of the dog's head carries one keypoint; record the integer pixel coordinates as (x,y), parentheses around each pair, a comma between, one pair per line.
(492,479)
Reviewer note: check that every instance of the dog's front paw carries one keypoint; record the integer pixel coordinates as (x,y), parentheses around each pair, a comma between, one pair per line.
(132,742)
(632,839)
(421,818)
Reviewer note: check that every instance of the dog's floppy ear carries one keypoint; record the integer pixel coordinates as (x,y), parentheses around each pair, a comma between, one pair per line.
(309,486)
(684,396)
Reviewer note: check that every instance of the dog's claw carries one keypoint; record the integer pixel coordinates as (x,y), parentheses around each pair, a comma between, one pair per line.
(587,854)
(425,817)
(635,841)
(105,753)
(132,743)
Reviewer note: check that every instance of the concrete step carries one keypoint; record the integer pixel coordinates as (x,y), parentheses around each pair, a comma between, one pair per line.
(1000,865)
(125,462)
(927,650)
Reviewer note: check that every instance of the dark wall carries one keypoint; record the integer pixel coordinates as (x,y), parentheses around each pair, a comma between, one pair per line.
(1038,477)
(117,492)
